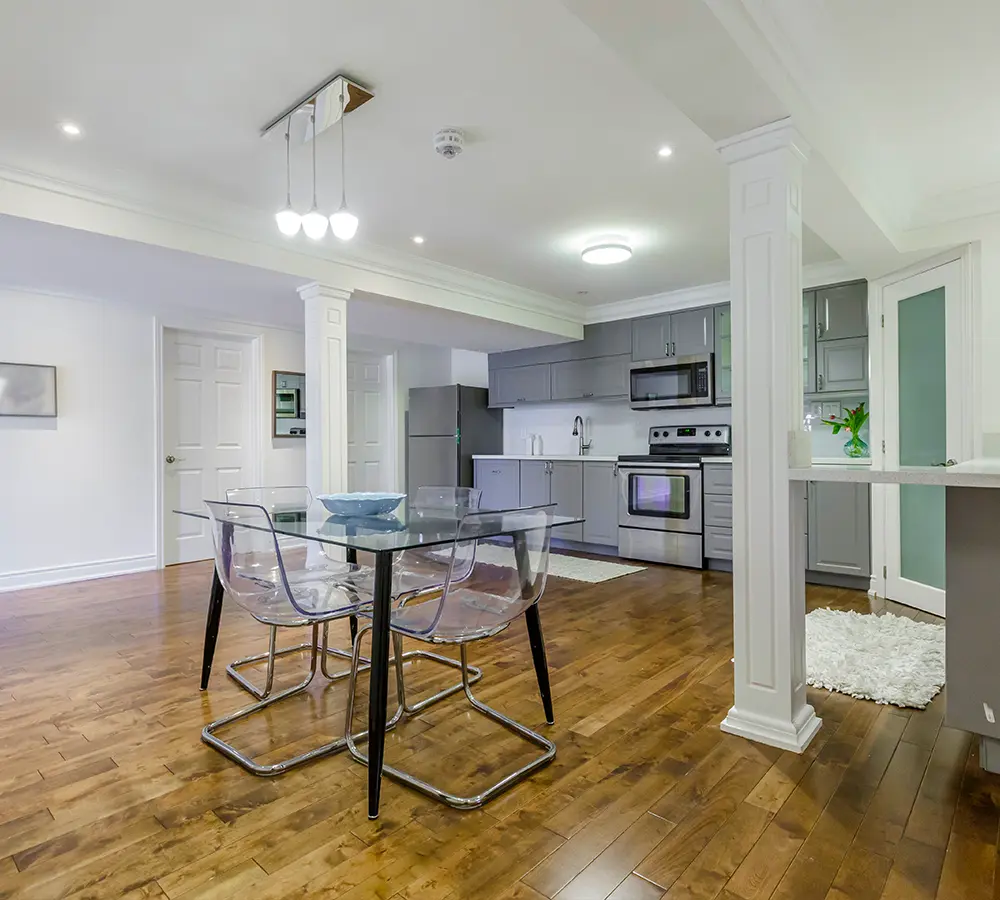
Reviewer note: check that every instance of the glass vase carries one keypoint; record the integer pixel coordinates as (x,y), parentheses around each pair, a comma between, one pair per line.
(856,448)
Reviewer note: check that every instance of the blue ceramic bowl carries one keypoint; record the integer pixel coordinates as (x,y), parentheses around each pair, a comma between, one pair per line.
(360,503)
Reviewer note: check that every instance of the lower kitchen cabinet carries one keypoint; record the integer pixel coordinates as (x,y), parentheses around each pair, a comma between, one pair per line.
(535,487)
(600,503)
(566,491)
(839,526)
(499,480)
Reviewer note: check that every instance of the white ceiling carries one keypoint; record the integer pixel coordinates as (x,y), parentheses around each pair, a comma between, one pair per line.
(562,130)
(51,259)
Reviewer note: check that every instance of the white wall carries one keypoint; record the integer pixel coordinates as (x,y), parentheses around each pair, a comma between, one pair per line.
(989,346)
(470,368)
(78,493)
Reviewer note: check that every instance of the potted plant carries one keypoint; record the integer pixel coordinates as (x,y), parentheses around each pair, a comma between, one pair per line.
(852,421)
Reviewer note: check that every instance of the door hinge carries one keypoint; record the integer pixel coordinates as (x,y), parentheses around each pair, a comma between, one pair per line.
(885,571)
(883,446)
(883,320)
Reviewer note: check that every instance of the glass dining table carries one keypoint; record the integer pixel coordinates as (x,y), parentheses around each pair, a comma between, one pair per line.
(408,528)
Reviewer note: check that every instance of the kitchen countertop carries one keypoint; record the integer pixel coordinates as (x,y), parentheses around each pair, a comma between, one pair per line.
(978,473)
(548,456)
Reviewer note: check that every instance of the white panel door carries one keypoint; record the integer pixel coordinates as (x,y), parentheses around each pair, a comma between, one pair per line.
(369,460)
(206,433)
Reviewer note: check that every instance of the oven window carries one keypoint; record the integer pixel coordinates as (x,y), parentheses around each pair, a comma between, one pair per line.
(669,383)
(659,496)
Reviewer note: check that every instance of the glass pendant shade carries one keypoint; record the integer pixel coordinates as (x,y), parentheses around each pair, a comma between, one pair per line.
(314,224)
(344,223)
(289,221)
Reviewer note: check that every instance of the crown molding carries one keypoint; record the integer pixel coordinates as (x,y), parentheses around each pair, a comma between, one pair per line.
(779,135)
(227,236)
(683,298)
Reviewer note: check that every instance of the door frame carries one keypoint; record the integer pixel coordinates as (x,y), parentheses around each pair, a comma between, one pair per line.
(255,345)
(965,436)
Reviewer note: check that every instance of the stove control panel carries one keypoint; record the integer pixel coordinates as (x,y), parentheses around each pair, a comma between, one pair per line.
(680,435)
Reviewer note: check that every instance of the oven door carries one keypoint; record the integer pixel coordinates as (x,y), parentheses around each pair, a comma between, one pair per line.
(660,499)
(675,382)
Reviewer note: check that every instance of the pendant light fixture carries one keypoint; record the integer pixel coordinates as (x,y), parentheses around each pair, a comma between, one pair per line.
(314,222)
(289,221)
(343,222)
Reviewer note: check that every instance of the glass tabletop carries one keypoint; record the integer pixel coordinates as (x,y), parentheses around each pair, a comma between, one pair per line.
(405,529)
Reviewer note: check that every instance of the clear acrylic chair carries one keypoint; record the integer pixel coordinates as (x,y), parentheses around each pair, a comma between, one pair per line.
(473,606)
(277,592)
(282,502)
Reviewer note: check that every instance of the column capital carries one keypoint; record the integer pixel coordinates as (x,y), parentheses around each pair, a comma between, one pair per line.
(780,135)
(315,290)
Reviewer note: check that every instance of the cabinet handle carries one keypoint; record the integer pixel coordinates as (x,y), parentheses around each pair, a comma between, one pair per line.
(591,394)
(819,329)
(819,382)
(614,470)
(673,349)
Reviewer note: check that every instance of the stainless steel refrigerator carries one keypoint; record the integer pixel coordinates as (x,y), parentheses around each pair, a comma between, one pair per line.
(445,427)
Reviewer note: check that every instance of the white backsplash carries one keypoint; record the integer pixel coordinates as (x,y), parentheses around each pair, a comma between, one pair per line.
(616,429)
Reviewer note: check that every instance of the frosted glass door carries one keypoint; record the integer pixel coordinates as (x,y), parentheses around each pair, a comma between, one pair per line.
(920,429)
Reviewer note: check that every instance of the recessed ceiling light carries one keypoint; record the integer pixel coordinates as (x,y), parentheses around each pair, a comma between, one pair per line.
(71,129)
(665,151)
(417,239)
(607,251)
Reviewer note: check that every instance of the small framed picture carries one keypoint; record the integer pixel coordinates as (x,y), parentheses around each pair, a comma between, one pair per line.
(27,390)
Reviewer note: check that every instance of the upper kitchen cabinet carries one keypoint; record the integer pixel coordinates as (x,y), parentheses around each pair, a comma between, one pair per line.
(842,311)
(602,378)
(605,339)
(842,365)
(522,384)
(692,332)
(809,341)
(723,354)
(684,333)
(651,338)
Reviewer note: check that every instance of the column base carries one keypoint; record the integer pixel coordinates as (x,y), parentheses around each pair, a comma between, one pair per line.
(794,735)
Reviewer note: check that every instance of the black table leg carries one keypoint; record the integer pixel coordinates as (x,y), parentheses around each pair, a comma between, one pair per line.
(379,678)
(534,623)
(537,642)
(352,558)
(212,627)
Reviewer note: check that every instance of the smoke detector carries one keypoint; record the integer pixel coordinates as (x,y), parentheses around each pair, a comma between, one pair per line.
(449,142)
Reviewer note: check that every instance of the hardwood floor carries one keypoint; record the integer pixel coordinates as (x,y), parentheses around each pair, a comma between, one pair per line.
(106,790)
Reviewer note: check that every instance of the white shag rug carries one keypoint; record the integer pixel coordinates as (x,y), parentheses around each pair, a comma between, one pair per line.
(886,658)
(577,568)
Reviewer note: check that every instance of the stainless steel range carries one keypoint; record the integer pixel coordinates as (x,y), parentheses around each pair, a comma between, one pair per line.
(659,500)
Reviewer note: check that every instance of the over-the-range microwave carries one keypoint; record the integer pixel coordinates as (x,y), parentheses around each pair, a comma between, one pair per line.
(673,382)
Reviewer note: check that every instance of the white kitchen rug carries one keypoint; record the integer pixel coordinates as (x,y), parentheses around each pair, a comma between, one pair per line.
(577,568)
(887,658)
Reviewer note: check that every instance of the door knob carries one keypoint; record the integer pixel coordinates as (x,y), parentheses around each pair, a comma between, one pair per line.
(172,459)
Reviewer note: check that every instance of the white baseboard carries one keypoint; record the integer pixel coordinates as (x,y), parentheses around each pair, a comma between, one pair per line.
(32,578)
(794,736)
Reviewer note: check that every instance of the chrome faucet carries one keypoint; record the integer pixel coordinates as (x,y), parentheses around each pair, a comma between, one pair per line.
(578,429)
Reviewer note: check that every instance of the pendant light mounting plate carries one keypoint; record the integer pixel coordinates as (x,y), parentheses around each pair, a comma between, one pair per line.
(325,101)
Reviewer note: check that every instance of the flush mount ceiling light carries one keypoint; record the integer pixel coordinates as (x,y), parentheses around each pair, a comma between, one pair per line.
(665,151)
(417,239)
(607,251)
(71,129)
(324,106)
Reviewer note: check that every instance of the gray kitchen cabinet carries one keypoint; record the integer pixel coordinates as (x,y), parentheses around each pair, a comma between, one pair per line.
(718,510)
(600,503)
(718,478)
(723,354)
(585,379)
(692,331)
(717,505)
(842,365)
(651,338)
(842,311)
(809,341)
(839,526)
(606,339)
(523,384)
(500,482)
(536,489)
(566,491)
(718,543)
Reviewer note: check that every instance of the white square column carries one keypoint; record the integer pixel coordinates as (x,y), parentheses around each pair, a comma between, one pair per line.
(765,227)
(326,387)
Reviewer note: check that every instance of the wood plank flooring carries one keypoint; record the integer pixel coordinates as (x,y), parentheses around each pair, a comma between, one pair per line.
(106,790)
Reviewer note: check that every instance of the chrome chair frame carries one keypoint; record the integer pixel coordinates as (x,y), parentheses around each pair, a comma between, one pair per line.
(208,733)
(435,793)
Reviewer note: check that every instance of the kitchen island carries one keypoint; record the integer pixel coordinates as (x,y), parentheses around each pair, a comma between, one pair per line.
(972,544)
